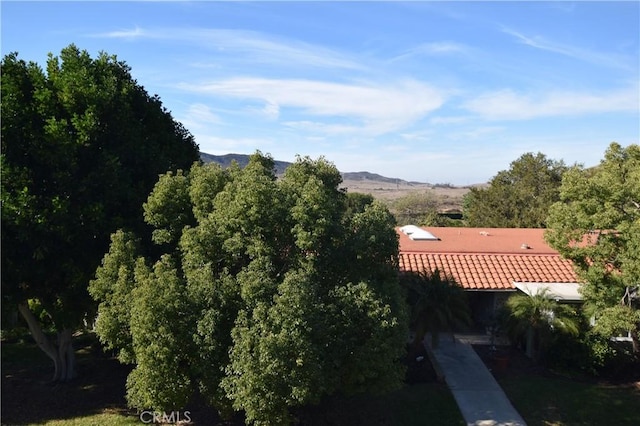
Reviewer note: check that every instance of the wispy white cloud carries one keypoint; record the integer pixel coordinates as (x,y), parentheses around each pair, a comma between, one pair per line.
(271,110)
(242,145)
(323,128)
(417,136)
(442,47)
(199,116)
(598,58)
(510,105)
(448,120)
(132,33)
(562,6)
(257,46)
(476,133)
(433,48)
(377,109)
(304,80)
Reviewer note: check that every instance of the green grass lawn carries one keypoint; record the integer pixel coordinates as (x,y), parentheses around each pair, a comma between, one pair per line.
(96,397)
(568,396)
(560,401)
(102,419)
(413,405)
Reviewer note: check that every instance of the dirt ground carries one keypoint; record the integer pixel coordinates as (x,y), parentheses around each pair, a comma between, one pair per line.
(449,197)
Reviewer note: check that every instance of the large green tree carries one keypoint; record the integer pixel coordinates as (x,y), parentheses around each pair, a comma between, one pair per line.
(519,197)
(82,146)
(266,294)
(597,226)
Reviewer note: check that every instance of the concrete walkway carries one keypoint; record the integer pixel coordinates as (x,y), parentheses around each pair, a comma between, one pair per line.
(481,400)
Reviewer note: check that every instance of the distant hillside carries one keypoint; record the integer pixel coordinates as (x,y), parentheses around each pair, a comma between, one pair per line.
(367,176)
(243,160)
(449,197)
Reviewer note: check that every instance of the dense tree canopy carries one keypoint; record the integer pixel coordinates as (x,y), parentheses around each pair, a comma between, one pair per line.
(415,208)
(82,146)
(268,294)
(516,198)
(597,225)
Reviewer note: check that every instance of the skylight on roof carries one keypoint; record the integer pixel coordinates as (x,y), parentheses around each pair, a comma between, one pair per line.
(418,234)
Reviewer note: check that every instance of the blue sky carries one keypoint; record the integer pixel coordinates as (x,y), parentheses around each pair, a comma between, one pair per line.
(440,92)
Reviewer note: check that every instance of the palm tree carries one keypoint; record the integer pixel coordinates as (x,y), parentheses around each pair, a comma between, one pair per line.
(539,318)
(437,304)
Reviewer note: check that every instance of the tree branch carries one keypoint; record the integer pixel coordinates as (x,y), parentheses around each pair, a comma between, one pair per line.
(36,331)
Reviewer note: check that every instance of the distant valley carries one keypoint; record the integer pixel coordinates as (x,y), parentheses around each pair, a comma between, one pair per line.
(381,187)
(280,166)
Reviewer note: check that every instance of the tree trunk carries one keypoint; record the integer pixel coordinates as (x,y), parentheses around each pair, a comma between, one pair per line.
(635,341)
(530,349)
(61,351)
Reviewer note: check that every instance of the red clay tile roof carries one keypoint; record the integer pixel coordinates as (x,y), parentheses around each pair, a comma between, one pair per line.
(480,240)
(487,259)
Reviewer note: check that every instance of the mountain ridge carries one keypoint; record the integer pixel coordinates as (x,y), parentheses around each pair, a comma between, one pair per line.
(280,166)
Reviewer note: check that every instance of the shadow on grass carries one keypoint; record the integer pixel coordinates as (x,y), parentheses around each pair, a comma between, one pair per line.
(97,396)
(413,405)
(555,401)
(422,401)
(544,397)
(28,395)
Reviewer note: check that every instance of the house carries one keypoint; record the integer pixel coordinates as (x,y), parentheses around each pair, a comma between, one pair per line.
(489,263)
